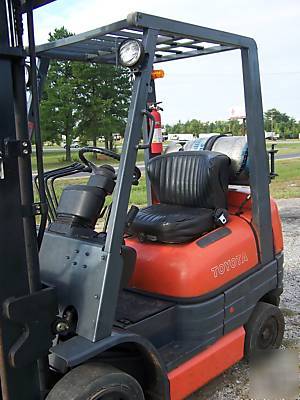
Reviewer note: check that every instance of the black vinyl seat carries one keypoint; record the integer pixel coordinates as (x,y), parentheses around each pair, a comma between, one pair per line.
(168,223)
(190,187)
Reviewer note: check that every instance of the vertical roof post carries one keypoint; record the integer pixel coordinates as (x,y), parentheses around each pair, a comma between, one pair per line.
(258,159)
(116,225)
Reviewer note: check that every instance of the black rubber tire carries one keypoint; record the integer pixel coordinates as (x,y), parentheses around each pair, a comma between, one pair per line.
(264,330)
(95,381)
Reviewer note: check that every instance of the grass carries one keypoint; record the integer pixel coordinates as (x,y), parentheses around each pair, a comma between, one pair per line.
(53,159)
(287,183)
(138,193)
(56,158)
(287,147)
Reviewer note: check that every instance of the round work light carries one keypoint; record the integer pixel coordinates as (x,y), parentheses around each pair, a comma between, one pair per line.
(131,52)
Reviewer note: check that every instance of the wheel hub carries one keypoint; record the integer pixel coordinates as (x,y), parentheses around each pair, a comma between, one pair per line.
(268,334)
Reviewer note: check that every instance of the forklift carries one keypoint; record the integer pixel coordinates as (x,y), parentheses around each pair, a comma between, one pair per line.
(166,297)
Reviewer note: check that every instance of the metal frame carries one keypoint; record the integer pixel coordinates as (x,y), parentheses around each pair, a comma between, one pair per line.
(100,45)
(19,272)
(166,40)
(33,4)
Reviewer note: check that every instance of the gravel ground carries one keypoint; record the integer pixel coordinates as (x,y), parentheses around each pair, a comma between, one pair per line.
(234,383)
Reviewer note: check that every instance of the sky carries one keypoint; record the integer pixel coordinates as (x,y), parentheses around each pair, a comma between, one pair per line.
(205,88)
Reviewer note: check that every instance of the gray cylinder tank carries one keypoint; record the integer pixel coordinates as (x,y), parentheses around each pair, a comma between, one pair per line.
(235,147)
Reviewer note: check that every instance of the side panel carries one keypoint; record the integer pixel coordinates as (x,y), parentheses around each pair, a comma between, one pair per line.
(202,322)
(159,329)
(183,330)
(242,297)
(76,268)
(179,331)
(199,370)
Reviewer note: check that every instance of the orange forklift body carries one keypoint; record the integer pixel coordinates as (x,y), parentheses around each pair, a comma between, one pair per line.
(207,264)
(207,365)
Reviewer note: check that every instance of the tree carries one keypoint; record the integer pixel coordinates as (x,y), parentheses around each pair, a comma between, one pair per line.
(58,106)
(88,100)
(103,94)
(274,120)
(281,123)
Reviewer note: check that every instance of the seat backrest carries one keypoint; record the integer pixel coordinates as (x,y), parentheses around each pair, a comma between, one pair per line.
(190,178)
(235,147)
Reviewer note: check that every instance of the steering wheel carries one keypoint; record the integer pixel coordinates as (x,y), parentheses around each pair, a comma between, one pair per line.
(109,153)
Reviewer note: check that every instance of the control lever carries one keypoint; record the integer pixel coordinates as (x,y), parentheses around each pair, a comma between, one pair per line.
(131,215)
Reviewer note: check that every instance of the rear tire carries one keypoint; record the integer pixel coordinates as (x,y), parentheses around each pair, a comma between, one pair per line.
(264,330)
(95,381)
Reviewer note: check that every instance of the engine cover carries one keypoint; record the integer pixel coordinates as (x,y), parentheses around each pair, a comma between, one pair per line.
(208,263)
(196,268)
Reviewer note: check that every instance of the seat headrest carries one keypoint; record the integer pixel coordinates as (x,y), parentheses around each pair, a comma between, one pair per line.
(190,178)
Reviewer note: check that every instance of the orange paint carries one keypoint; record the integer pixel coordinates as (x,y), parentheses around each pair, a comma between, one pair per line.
(188,270)
(277,229)
(210,363)
(235,199)
(236,196)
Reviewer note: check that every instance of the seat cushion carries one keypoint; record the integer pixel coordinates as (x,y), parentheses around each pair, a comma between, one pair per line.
(169,223)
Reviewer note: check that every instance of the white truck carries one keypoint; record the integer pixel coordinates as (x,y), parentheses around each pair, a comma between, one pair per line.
(180,137)
(271,135)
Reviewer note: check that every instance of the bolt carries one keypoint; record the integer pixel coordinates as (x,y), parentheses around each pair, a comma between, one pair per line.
(74,263)
(77,251)
(97,297)
(25,144)
(61,326)
(103,258)
(25,151)
(84,266)
(87,253)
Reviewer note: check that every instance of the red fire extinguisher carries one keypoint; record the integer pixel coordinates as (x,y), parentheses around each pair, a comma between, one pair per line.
(157,141)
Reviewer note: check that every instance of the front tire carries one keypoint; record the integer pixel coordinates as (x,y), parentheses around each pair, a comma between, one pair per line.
(264,330)
(95,381)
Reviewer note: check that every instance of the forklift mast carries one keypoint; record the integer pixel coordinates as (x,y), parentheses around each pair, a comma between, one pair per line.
(26,309)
